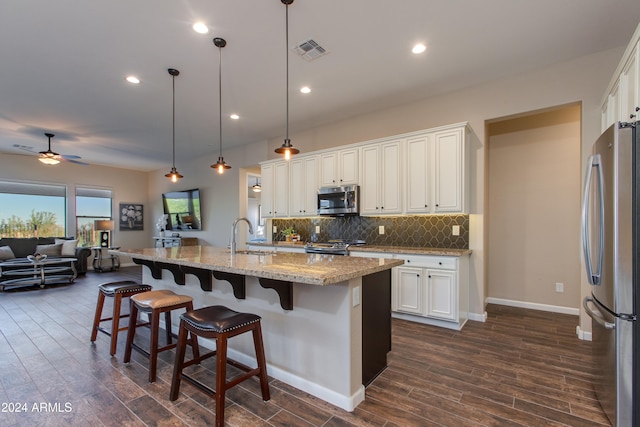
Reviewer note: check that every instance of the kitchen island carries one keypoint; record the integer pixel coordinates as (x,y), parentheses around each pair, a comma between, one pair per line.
(326,320)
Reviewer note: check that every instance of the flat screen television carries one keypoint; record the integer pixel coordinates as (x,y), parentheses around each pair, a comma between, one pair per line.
(183,209)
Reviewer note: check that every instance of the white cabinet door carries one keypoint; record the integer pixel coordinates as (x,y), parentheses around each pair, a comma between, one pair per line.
(303,184)
(281,189)
(348,166)
(369,203)
(441,294)
(328,169)
(266,198)
(408,290)
(390,178)
(339,167)
(381,184)
(449,171)
(418,170)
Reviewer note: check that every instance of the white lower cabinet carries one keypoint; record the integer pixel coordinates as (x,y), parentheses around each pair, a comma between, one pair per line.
(432,290)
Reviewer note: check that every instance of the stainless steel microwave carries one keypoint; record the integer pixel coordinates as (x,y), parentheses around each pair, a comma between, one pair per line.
(339,201)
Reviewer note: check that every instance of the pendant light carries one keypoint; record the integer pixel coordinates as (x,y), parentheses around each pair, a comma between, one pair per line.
(257,188)
(49,157)
(287,149)
(174,175)
(220,165)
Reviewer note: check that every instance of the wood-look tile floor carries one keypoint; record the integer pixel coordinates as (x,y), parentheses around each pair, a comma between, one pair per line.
(520,368)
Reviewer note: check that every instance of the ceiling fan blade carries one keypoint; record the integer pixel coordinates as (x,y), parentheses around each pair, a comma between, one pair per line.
(25,148)
(70,157)
(78,162)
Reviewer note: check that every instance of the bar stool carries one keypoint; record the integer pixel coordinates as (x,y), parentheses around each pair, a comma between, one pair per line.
(116,290)
(221,323)
(156,303)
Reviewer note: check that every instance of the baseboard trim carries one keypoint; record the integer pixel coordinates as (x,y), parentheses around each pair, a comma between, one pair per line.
(478,317)
(534,306)
(583,335)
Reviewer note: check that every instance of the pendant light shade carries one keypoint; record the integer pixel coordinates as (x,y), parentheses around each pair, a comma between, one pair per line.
(257,187)
(286,148)
(49,157)
(174,175)
(220,165)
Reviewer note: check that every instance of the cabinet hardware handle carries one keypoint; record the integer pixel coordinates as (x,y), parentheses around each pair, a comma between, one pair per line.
(429,276)
(417,275)
(439,263)
(382,207)
(631,116)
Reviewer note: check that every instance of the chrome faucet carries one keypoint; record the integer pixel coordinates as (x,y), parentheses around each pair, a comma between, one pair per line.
(233,232)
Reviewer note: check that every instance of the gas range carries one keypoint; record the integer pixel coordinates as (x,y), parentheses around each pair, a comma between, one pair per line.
(332,247)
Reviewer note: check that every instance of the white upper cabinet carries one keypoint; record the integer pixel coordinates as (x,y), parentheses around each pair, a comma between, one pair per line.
(303,183)
(436,171)
(423,172)
(381,181)
(449,171)
(622,99)
(339,167)
(418,175)
(275,189)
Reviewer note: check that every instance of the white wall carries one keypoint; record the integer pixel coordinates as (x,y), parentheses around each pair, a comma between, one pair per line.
(534,202)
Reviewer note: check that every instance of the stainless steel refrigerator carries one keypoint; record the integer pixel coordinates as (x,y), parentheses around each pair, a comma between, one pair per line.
(611,241)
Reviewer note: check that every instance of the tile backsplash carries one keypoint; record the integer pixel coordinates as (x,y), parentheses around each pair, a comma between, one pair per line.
(427,231)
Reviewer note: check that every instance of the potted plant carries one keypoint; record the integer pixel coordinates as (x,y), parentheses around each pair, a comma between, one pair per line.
(288,233)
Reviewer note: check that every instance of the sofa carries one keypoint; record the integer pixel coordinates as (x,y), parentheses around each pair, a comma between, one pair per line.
(54,247)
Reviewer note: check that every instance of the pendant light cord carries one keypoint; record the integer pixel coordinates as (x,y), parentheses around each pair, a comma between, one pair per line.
(220,96)
(173,78)
(287,73)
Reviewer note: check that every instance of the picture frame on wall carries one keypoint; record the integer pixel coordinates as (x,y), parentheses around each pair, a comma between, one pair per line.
(131,216)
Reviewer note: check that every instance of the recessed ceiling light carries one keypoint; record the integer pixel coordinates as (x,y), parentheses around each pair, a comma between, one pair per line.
(305,89)
(234,116)
(200,28)
(133,80)
(419,48)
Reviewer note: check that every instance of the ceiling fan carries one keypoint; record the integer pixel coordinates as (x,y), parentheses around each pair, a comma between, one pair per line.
(50,157)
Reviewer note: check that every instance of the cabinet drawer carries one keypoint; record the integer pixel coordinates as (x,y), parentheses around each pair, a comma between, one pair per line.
(447,263)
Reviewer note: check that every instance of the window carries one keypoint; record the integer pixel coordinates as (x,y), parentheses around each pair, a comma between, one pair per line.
(91,204)
(32,210)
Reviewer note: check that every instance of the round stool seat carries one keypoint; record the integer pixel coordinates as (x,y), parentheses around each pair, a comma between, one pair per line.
(158,299)
(110,289)
(218,318)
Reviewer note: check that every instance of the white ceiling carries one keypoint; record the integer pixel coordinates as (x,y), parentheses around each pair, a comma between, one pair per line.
(63,65)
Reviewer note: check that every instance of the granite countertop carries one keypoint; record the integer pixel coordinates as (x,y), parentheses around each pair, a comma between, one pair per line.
(312,269)
(373,248)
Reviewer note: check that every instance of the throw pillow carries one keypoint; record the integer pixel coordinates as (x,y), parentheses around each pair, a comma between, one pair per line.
(49,250)
(6,253)
(68,247)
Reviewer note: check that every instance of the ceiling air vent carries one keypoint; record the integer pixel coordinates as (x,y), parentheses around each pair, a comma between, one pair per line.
(310,50)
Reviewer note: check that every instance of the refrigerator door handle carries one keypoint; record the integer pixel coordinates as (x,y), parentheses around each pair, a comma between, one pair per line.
(597,317)
(593,276)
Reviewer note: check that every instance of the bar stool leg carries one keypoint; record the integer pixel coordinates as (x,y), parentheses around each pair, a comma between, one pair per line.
(117,302)
(262,362)
(133,320)
(153,351)
(221,375)
(97,316)
(167,326)
(179,361)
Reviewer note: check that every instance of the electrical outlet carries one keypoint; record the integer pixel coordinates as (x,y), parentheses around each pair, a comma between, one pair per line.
(559,287)
(455,230)
(381,229)
(275,228)
(317,229)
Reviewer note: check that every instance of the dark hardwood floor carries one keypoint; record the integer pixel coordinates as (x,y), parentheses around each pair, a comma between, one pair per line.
(520,368)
